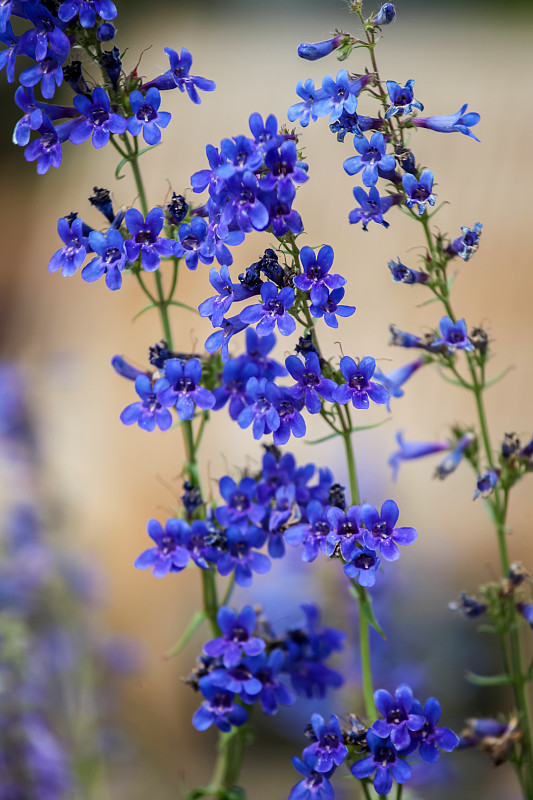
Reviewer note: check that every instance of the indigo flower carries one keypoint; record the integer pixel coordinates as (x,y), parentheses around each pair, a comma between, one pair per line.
(394,380)
(262,412)
(110,260)
(402,99)
(485,484)
(70,257)
(339,95)
(312,533)
(240,509)
(454,335)
(45,36)
(87,11)
(305,111)
(184,391)
(449,123)
(178,76)
(149,411)
(97,119)
(330,307)
(372,156)
(290,419)
(453,459)
(398,722)
(345,531)
(430,737)
(372,207)
(8,57)
(121,366)
(419,192)
(363,566)
(468,605)
(47,149)
(384,761)
(403,338)
(111,63)
(403,274)
(237,638)
(273,691)
(194,240)
(380,532)
(359,388)
(146,115)
(329,750)
(284,171)
(239,556)
(385,15)
(310,383)
(217,307)
(47,72)
(168,555)
(274,310)
(316,278)
(219,340)
(466,245)
(312,52)
(314,786)
(219,707)
(411,450)
(146,240)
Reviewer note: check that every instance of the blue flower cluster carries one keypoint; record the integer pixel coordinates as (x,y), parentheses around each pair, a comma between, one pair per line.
(50,34)
(247,662)
(407,727)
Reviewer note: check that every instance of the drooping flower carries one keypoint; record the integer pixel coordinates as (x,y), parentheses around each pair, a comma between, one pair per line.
(412,450)
(402,99)
(460,122)
(453,459)
(372,207)
(316,50)
(394,380)
(403,274)
(485,483)
(385,15)
(466,245)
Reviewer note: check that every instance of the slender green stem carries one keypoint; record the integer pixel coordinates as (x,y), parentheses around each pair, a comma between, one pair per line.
(366,791)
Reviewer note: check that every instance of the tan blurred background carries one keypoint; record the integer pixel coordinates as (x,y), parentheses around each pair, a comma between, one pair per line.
(111,479)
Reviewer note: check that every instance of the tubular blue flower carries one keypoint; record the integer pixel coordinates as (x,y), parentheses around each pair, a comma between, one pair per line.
(305,111)
(178,76)
(240,509)
(262,412)
(146,240)
(273,691)
(468,605)
(48,73)
(146,115)
(8,57)
(394,380)
(359,388)
(168,555)
(404,339)
(372,156)
(314,786)
(449,123)
(32,119)
(430,737)
(241,558)
(194,240)
(411,450)
(284,170)
(453,459)
(219,340)
(105,32)
(87,11)
(316,278)
(398,722)
(312,534)
(385,15)
(121,366)
(402,99)
(149,411)
(239,679)
(466,245)
(316,50)
(345,531)
(45,34)
(331,307)
(381,533)
(47,149)
(454,335)
(184,391)
(311,385)
(70,257)
(339,95)
(363,566)
(110,260)
(290,419)
(384,761)
(403,274)
(274,310)
(419,192)
(329,750)
(372,207)
(237,636)
(217,307)
(98,119)
(485,484)
(219,707)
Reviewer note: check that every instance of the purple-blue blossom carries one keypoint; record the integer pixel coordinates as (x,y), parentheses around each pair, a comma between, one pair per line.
(371,157)
(178,76)
(146,115)
(237,638)
(466,245)
(384,761)
(419,192)
(168,555)
(316,278)
(363,566)
(87,11)
(454,335)
(311,385)
(70,257)
(184,391)
(145,240)
(314,51)
(402,99)
(328,750)
(460,122)
(330,307)
(97,119)
(359,389)
(430,737)
(314,786)
(149,411)
(272,312)
(403,274)
(381,534)
(372,206)
(413,450)
(219,707)
(398,721)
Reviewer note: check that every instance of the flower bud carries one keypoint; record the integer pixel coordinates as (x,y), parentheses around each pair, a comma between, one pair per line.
(385,15)
(316,50)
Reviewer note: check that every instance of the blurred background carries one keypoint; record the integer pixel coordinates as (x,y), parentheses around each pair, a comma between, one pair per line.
(99,482)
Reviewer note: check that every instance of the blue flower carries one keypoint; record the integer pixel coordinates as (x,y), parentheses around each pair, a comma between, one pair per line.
(454,335)
(146,115)
(8,57)
(316,50)
(47,72)
(404,339)
(486,483)
(312,533)
(284,171)
(146,240)
(290,419)
(305,111)
(220,339)
(314,786)
(70,257)
(449,123)
(340,95)
(237,636)
(398,722)
(273,691)
(87,11)
(345,531)
(372,156)
(316,278)
(168,555)
(372,207)
(264,394)
(381,533)
(110,260)
(311,385)
(359,388)
(240,557)
(98,120)
(402,99)
(466,245)
(384,761)
(195,241)
(45,34)
(184,391)
(412,450)
(219,707)
(430,737)
(363,566)
(403,274)
(385,15)
(240,509)
(274,310)
(47,149)
(330,307)
(217,307)
(149,411)
(453,459)
(419,192)
(178,76)
(329,750)
(394,380)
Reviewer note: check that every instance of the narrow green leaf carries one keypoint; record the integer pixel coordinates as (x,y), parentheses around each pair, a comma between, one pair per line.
(365,607)
(427,302)
(497,378)
(323,438)
(118,170)
(146,308)
(488,680)
(486,629)
(194,624)
(145,149)
(352,430)
(453,381)
(183,305)
(450,281)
